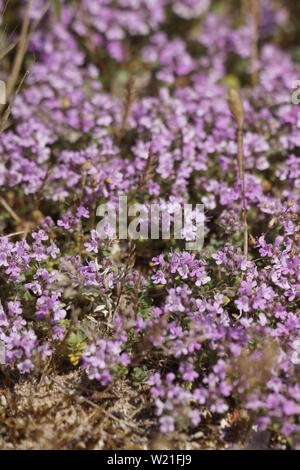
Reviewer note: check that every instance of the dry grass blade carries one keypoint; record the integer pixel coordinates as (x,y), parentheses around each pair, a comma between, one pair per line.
(10,210)
(255,9)
(237,111)
(130,263)
(148,172)
(22,43)
(244,8)
(128,100)
(14,234)
(7,50)
(21,51)
(5,117)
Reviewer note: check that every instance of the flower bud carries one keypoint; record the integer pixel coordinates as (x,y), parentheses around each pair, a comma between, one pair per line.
(236,107)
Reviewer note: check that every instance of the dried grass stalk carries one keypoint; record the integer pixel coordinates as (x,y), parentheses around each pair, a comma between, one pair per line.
(237,111)
(127,103)
(21,51)
(148,171)
(255,9)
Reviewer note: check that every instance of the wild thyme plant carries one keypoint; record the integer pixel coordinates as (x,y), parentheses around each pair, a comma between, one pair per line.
(109,98)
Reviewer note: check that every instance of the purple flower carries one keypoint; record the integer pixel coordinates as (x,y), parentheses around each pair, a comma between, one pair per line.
(159,278)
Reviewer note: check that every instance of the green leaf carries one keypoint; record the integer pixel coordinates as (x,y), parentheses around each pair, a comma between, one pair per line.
(57,9)
(27,296)
(140,374)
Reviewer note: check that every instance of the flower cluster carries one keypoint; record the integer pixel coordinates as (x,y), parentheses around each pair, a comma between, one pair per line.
(114,83)
(100,360)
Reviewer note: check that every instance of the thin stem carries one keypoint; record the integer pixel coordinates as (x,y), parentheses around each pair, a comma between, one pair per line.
(244,8)
(10,210)
(128,100)
(129,266)
(236,107)
(15,234)
(7,50)
(22,48)
(255,12)
(148,171)
(241,163)
(4,118)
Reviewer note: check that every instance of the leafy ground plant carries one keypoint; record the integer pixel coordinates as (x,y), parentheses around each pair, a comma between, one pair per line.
(121,344)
